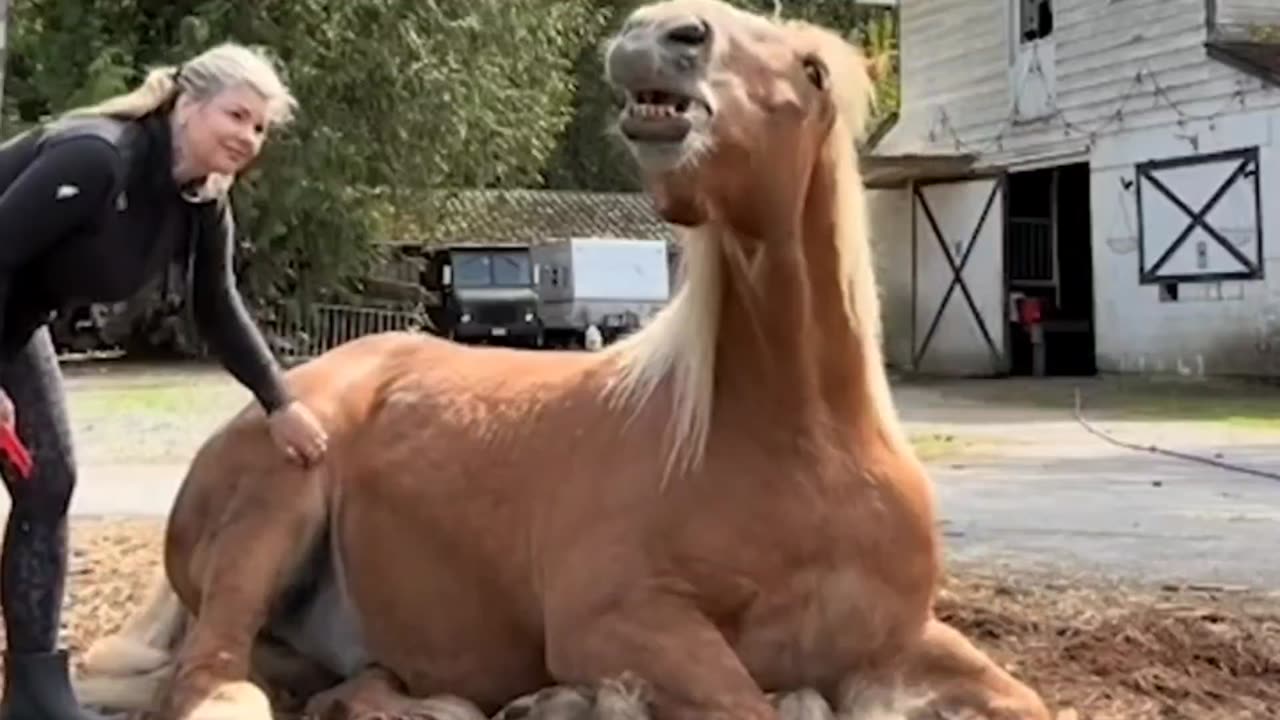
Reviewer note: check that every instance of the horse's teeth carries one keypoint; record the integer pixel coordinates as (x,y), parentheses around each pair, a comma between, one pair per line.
(653,110)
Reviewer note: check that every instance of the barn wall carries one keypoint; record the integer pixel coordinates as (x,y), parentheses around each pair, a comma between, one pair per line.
(1218,328)
(1116,67)
(889,215)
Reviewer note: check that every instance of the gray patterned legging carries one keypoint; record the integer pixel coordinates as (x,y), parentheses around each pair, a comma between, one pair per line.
(33,567)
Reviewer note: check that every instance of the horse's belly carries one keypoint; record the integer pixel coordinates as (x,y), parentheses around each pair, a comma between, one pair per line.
(319,621)
(435,607)
(438,509)
(440,631)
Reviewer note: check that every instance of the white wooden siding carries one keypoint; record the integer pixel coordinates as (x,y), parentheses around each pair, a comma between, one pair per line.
(1215,328)
(889,212)
(956,90)
(1248,12)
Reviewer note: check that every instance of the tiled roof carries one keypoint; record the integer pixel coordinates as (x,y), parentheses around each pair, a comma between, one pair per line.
(531,216)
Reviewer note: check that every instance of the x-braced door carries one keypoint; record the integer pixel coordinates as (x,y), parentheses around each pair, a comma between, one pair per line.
(1200,218)
(959,301)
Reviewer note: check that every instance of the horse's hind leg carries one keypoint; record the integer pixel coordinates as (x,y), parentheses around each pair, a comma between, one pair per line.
(246,557)
(945,676)
(375,694)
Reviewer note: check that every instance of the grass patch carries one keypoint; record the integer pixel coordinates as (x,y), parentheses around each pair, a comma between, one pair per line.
(1250,405)
(154,401)
(1234,403)
(160,421)
(932,447)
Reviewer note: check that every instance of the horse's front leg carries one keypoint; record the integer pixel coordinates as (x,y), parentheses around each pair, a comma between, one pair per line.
(690,671)
(943,675)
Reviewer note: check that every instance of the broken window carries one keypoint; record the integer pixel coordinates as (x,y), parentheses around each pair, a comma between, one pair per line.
(1036,18)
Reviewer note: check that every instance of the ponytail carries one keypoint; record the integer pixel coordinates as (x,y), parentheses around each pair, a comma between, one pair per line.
(159,88)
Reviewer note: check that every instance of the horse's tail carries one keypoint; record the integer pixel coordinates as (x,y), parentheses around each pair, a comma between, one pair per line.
(126,670)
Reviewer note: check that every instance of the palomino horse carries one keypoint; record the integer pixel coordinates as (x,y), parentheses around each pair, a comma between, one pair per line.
(720,506)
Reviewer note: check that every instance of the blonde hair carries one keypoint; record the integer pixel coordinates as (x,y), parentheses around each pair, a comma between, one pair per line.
(201,78)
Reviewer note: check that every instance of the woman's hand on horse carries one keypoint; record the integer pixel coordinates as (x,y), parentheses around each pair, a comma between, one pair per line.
(6,409)
(298,434)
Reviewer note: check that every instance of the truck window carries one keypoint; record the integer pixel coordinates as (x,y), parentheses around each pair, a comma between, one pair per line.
(472,270)
(512,270)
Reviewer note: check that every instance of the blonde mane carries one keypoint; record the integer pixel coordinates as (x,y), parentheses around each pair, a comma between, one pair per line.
(679,344)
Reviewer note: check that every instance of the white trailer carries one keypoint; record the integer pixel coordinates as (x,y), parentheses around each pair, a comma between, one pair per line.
(612,284)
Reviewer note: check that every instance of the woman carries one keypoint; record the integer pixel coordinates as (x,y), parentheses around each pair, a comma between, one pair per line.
(91,207)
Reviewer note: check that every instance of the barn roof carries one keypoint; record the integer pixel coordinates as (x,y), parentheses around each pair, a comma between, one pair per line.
(1260,59)
(531,216)
(1250,47)
(894,170)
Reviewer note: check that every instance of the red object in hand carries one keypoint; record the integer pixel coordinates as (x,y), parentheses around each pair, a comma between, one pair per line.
(14,451)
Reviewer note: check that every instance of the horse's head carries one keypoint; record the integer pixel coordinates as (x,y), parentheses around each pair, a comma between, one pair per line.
(726,112)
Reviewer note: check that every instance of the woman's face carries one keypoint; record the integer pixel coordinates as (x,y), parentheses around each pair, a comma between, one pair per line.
(224,133)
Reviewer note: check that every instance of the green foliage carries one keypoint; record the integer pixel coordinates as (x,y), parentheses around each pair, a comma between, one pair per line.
(1263,33)
(879,36)
(589,155)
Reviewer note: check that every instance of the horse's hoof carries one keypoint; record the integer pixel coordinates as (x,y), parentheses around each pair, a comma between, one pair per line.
(232,701)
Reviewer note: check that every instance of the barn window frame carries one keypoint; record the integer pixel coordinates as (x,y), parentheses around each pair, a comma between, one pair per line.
(1146,181)
(1024,24)
(1032,58)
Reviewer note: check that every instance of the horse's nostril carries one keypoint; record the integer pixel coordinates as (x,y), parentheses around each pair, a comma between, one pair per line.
(692,32)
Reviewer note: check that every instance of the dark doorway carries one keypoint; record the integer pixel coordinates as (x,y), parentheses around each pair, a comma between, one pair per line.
(1048,252)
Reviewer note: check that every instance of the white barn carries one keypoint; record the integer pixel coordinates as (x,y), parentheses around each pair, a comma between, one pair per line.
(1118,160)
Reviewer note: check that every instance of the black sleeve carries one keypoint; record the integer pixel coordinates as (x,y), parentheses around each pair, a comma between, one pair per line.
(220,312)
(62,188)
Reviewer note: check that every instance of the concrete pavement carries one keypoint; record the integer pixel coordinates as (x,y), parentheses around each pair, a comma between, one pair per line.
(1036,491)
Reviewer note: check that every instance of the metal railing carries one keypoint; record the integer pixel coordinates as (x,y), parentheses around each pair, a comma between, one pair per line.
(1031,252)
(327,326)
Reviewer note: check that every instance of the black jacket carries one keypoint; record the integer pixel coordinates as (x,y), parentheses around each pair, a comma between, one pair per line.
(90,211)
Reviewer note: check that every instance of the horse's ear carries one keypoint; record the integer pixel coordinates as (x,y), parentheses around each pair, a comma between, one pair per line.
(878,66)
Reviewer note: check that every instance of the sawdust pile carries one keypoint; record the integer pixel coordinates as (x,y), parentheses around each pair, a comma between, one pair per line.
(1115,652)
(1106,652)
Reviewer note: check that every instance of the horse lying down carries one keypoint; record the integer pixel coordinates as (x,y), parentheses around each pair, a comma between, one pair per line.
(723,504)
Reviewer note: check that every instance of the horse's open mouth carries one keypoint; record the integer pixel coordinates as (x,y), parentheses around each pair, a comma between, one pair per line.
(660,115)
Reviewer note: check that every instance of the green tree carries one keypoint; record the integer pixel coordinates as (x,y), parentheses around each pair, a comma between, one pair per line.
(589,155)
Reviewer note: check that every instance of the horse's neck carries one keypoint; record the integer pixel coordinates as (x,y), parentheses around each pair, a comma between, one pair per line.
(787,349)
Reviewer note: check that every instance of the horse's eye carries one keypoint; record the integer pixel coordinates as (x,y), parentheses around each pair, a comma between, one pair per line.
(816,71)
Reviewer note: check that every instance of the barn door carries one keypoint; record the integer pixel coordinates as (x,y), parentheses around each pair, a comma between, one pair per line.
(1200,218)
(959,309)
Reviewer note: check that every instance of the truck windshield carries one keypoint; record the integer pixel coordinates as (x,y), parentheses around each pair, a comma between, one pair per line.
(481,269)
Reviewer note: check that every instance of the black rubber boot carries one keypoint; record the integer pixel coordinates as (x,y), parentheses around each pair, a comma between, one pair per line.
(37,686)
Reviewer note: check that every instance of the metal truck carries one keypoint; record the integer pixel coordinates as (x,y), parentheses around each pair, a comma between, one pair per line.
(484,294)
(613,285)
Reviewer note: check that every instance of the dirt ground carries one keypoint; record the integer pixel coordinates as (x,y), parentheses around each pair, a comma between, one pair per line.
(1098,649)
(1102,651)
